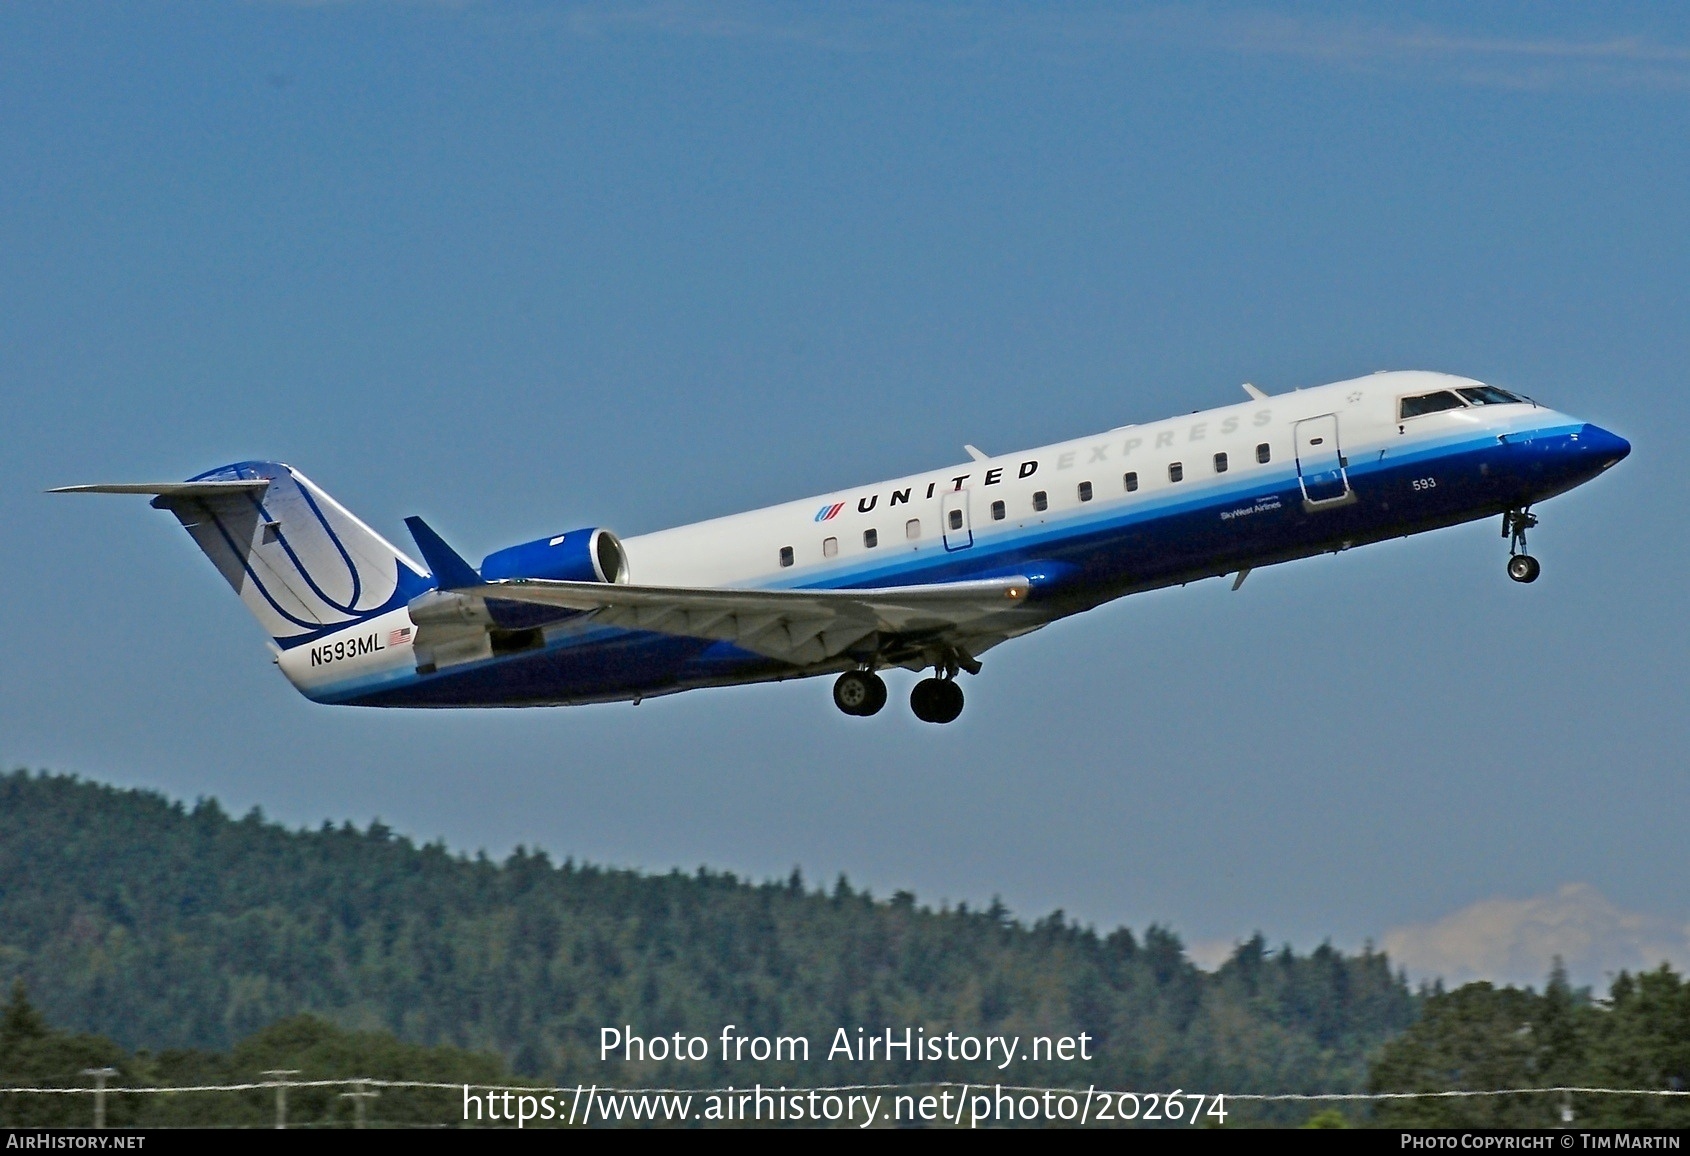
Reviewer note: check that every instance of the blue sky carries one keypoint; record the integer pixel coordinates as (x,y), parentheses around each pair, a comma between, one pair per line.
(519,268)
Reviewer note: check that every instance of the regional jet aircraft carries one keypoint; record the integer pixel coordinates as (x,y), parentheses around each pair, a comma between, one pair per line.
(925,572)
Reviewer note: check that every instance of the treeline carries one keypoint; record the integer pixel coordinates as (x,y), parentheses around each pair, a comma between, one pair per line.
(1476,1038)
(34,1054)
(1480,1037)
(166,927)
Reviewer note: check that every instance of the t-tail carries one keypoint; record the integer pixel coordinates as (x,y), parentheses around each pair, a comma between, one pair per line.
(313,574)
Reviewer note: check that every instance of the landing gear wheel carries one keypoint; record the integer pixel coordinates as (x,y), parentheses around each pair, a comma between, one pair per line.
(936,700)
(877,695)
(1522,567)
(859,692)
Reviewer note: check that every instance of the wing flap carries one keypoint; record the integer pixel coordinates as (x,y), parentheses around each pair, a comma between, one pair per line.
(799,626)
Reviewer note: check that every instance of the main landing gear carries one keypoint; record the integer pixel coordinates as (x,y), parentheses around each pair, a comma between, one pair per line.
(859,692)
(935,700)
(1522,567)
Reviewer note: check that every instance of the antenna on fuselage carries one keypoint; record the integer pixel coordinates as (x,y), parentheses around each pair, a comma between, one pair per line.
(974,452)
(1254,392)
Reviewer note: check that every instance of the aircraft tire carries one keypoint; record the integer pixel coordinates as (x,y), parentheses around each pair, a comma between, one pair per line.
(1524,568)
(859,693)
(936,700)
(879,700)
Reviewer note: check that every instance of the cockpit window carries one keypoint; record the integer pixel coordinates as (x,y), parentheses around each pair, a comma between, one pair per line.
(1490,395)
(1430,403)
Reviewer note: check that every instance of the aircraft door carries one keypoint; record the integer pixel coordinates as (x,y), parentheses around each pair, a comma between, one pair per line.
(953,520)
(1321,465)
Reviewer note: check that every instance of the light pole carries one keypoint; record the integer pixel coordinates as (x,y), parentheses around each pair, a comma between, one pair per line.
(101,1075)
(280,1076)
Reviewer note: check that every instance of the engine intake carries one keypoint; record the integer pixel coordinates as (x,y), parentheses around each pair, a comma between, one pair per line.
(587,555)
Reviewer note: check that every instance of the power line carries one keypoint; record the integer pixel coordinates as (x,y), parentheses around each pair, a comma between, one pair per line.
(360,1084)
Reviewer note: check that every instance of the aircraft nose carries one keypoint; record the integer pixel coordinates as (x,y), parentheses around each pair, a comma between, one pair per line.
(1608,448)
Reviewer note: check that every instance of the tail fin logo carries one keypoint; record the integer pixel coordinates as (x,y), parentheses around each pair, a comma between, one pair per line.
(301,562)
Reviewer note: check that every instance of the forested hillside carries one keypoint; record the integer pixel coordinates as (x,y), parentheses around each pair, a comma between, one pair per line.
(160,926)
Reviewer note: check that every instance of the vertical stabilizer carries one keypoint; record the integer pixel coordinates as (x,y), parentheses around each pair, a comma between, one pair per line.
(300,561)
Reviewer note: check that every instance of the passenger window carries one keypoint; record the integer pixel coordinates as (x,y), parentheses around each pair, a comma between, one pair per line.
(1220,463)
(997,511)
(1085,491)
(1130,481)
(912,529)
(1040,502)
(1264,454)
(786,555)
(1176,472)
(830,547)
(871,538)
(956,519)
(1428,403)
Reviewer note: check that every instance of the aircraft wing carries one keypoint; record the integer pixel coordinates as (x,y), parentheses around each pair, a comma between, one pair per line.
(803,627)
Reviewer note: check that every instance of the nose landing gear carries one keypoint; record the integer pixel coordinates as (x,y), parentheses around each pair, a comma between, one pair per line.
(1522,567)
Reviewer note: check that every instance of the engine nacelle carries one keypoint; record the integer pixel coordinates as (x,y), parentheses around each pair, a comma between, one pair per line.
(589,555)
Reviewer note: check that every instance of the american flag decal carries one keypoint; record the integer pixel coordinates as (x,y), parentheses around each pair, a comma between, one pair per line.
(399,637)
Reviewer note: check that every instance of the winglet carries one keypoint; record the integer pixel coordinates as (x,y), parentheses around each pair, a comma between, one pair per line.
(1254,392)
(450,570)
(975,453)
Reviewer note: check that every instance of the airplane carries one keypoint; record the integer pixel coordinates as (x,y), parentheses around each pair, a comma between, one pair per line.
(925,572)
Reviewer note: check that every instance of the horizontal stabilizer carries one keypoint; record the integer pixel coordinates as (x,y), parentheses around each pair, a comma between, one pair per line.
(451,572)
(170,489)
